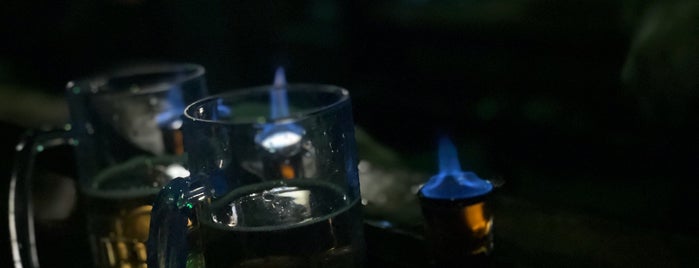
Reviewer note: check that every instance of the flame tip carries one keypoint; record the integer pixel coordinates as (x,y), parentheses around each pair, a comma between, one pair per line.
(448,157)
(279,77)
(279,103)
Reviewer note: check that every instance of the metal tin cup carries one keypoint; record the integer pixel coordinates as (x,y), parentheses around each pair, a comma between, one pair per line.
(457,217)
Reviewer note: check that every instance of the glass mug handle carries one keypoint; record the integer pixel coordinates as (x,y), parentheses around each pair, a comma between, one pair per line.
(167,238)
(20,207)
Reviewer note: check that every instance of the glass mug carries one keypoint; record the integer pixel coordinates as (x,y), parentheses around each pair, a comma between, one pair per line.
(125,128)
(274,183)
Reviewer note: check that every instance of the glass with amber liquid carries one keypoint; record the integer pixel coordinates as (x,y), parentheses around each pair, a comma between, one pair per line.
(274,183)
(457,217)
(118,206)
(125,129)
(458,232)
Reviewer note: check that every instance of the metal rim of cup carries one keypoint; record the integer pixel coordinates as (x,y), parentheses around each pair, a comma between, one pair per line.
(341,93)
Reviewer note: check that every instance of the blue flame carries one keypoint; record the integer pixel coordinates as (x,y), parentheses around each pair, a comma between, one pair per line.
(222,110)
(174,105)
(279,104)
(448,158)
(451,182)
(278,136)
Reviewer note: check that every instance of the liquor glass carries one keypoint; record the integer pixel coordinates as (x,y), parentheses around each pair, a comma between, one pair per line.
(458,218)
(274,183)
(125,132)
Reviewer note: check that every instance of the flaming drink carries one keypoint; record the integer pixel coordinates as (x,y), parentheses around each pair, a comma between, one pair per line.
(298,221)
(274,183)
(458,219)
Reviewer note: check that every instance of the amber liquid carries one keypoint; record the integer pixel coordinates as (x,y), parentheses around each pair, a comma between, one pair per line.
(118,230)
(299,225)
(118,205)
(459,233)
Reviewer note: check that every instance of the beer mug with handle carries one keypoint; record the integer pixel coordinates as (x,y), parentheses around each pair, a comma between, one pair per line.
(273,183)
(125,128)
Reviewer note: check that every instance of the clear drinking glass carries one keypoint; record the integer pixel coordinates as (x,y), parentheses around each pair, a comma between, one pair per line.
(125,128)
(273,183)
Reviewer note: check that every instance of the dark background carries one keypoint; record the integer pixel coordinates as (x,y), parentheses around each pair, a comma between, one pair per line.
(585,108)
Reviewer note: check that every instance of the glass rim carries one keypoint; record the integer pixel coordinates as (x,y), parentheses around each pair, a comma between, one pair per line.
(96,83)
(342,93)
